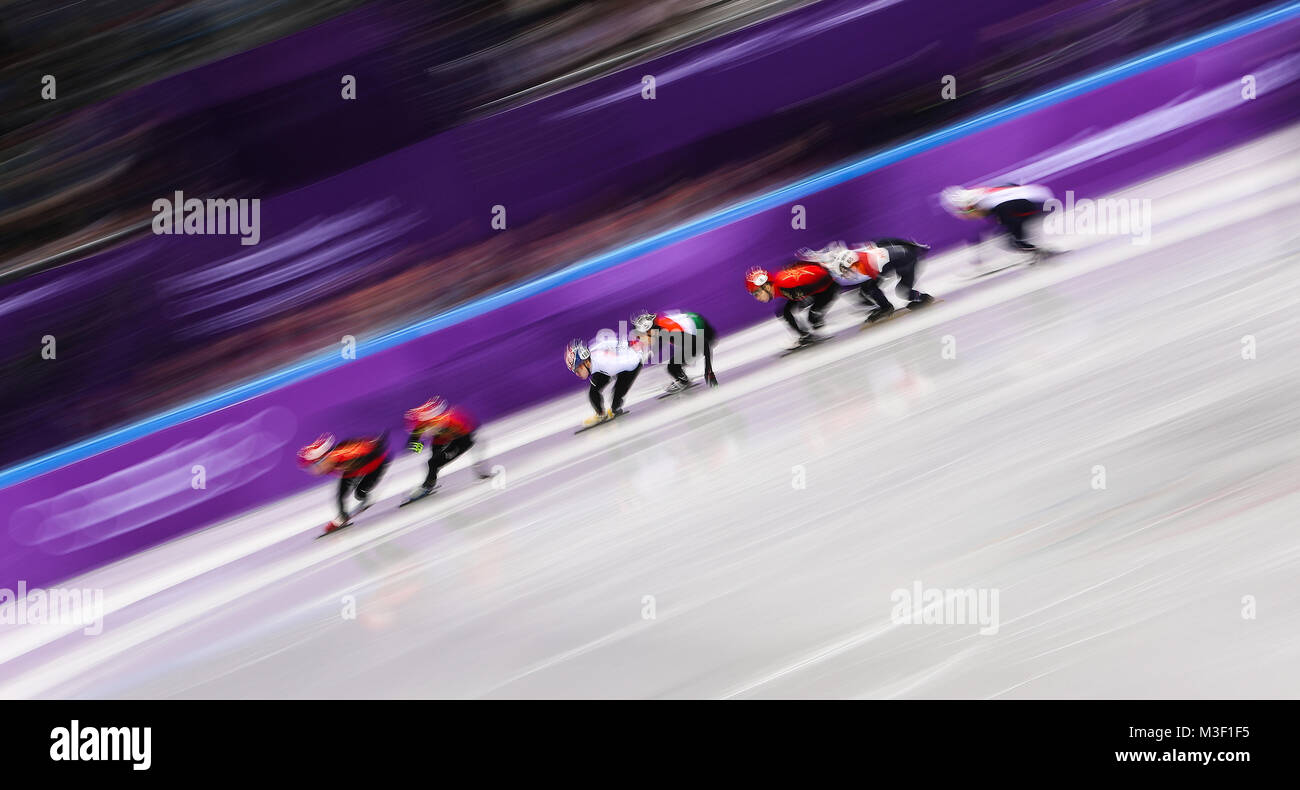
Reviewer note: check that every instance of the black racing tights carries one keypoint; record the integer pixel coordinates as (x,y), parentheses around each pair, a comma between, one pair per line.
(683,349)
(622,383)
(904,261)
(817,305)
(363,485)
(1013,215)
(442,454)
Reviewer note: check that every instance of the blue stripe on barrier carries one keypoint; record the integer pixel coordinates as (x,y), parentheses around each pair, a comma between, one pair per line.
(814,183)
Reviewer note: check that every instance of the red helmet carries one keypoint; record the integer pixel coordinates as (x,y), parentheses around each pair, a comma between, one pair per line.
(756,278)
(314,452)
(425,412)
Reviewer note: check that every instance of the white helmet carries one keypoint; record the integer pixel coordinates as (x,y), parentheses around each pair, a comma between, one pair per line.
(314,452)
(643,320)
(960,200)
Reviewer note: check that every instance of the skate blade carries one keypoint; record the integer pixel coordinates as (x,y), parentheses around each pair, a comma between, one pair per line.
(413,499)
(663,395)
(804,347)
(898,311)
(586,428)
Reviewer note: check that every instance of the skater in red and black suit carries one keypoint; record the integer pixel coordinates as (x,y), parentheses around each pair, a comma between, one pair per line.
(450,432)
(802,285)
(359,462)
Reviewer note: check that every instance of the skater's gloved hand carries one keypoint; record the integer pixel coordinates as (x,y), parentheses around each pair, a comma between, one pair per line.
(415,447)
(712,379)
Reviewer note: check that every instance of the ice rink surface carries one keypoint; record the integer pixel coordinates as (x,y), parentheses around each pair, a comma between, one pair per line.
(749,541)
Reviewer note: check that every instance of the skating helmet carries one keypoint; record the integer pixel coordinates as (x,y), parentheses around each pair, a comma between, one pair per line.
(575,354)
(643,320)
(959,200)
(314,452)
(756,278)
(425,412)
(842,258)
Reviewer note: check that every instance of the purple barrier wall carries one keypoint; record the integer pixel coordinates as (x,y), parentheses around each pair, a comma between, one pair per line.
(125,499)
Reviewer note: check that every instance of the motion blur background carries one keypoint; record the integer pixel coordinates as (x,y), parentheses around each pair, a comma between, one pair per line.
(1105,439)
(242,99)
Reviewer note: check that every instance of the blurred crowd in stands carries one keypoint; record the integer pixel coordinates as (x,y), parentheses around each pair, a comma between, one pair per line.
(72,179)
(83,168)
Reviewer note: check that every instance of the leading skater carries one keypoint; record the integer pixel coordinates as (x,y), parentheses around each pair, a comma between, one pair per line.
(360,463)
(1016,208)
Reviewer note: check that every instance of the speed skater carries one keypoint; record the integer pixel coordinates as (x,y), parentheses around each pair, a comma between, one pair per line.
(1014,207)
(449,430)
(604,361)
(803,284)
(360,463)
(684,338)
(864,264)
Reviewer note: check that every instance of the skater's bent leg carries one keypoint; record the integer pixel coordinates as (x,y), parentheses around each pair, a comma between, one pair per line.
(441,455)
(436,460)
(598,382)
(680,356)
(1019,237)
(457,447)
(345,487)
(787,313)
(906,281)
(905,263)
(678,373)
(872,296)
(1014,216)
(820,303)
(367,484)
(621,385)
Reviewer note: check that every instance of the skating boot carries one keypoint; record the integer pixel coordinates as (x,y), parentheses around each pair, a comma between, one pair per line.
(337,524)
